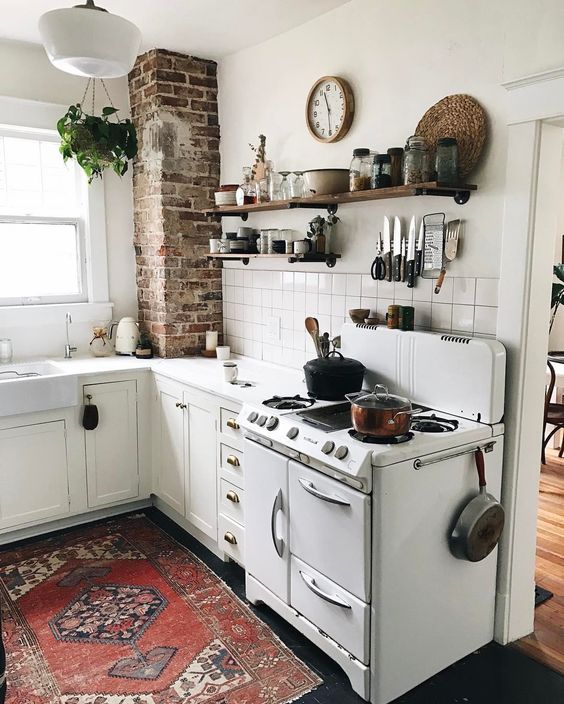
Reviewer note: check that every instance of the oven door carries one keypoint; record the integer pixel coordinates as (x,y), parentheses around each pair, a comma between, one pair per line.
(330,528)
(267,556)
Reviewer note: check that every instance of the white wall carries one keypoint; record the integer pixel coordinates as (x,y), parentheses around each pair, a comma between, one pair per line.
(25,72)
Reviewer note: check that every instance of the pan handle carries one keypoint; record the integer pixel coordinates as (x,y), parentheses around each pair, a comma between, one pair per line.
(480,466)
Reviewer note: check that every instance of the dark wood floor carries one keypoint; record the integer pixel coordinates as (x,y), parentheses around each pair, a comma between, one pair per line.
(546,644)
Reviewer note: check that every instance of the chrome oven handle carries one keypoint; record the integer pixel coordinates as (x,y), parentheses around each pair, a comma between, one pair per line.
(486,447)
(276,506)
(330,498)
(331,598)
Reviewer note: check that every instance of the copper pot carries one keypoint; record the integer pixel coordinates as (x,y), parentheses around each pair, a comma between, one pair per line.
(380,414)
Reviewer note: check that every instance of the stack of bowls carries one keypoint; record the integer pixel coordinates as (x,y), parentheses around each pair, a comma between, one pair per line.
(226,195)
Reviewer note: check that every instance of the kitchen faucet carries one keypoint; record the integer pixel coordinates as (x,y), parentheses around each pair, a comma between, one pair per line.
(68,349)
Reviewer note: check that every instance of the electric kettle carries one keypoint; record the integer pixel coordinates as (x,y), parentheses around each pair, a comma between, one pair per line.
(127,336)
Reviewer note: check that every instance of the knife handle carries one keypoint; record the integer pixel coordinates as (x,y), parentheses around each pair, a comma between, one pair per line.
(402,268)
(397,267)
(410,273)
(440,280)
(418,262)
(388,266)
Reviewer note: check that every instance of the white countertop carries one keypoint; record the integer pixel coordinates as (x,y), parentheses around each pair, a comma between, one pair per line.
(205,374)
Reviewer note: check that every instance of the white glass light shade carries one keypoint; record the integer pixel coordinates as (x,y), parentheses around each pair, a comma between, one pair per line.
(89,42)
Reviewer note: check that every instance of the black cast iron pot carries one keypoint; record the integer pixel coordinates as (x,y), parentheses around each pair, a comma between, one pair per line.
(333,376)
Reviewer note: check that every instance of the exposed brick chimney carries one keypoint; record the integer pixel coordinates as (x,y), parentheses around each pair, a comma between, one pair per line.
(174,109)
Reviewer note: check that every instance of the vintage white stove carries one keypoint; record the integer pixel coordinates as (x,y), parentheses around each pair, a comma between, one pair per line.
(348,540)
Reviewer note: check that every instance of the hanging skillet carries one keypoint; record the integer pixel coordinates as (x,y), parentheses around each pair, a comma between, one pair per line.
(480,524)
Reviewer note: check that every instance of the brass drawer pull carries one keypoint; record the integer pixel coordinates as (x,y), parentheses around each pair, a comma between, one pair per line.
(232,423)
(232,496)
(233,461)
(230,538)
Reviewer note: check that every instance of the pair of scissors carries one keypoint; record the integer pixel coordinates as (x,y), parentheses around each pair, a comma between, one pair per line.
(378,269)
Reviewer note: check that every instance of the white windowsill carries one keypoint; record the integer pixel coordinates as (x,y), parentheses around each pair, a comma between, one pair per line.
(53,313)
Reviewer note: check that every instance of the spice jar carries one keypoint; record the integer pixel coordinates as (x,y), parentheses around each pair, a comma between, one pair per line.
(416,161)
(360,172)
(381,171)
(396,165)
(446,160)
(392,317)
(406,317)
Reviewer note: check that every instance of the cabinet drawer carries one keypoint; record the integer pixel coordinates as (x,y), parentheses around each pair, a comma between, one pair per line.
(232,464)
(330,528)
(232,501)
(341,615)
(231,530)
(229,426)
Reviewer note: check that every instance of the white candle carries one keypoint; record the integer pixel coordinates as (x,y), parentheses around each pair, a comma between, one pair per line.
(211,340)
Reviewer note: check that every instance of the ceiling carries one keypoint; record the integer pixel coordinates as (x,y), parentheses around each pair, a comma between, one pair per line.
(207,28)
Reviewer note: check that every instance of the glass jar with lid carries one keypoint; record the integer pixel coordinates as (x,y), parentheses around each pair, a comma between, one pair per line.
(248,191)
(446,160)
(416,161)
(360,172)
(382,171)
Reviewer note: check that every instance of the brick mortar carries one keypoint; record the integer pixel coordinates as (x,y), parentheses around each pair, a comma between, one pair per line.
(174,109)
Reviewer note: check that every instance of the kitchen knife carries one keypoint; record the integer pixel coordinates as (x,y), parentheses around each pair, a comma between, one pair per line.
(397,249)
(403,258)
(410,266)
(419,252)
(387,250)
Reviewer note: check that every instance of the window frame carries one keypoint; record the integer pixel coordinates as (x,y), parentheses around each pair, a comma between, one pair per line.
(28,117)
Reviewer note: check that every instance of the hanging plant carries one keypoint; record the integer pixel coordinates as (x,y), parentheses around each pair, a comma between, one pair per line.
(96,142)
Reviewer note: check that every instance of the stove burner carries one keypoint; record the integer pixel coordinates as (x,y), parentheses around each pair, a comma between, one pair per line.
(371,439)
(433,424)
(288,403)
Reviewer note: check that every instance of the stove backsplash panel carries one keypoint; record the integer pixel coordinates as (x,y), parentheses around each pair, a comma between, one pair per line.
(264,310)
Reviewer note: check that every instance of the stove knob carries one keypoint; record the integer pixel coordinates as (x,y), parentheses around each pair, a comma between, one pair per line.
(341,452)
(328,447)
(292,433)
(272,423)
(261,421)
(252,417)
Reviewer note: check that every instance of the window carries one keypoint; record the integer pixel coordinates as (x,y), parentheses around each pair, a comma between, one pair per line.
(42,221)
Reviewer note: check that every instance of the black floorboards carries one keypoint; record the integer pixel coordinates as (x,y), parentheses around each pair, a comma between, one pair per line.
(492,675)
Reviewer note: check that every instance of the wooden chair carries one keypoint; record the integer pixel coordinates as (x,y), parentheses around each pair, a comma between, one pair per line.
(553,414)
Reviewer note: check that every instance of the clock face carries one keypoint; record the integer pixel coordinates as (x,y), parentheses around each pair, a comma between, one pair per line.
(330,109)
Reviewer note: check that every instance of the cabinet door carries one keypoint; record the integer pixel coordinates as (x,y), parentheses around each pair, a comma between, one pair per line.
(112,466)
(168,456)
(267,554)
(33,473)
(201,466)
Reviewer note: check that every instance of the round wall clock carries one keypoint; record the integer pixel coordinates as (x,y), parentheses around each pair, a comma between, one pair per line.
(330,109)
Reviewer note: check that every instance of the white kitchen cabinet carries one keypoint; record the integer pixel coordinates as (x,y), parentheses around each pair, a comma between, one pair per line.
(168,449)
(112,465)
(200,433)
(33,473)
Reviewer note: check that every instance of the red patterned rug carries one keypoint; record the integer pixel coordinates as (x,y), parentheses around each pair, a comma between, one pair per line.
(122,614)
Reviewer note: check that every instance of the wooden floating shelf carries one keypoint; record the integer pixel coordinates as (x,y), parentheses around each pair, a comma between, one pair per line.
(460,193)
(329,259)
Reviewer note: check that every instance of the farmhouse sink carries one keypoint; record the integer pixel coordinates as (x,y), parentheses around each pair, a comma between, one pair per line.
(29,387)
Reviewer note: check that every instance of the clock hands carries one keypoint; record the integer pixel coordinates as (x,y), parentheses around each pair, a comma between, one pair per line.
(328,111)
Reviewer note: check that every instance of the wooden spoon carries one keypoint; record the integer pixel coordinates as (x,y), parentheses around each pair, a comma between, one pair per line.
(312,326)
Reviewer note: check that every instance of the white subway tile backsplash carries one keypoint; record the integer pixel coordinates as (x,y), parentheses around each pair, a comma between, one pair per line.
(464,305)
(369,287)
(339,287)
(485,320)
(463,318)
(353,284)
(441,316)
(464,291)
(487,292)
(423,289)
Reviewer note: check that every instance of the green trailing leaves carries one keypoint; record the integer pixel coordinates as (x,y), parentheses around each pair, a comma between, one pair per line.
(96,142)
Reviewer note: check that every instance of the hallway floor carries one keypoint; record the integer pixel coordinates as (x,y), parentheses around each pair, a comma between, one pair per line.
(546,644)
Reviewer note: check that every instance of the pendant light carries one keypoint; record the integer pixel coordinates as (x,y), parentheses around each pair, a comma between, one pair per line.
(87,40)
